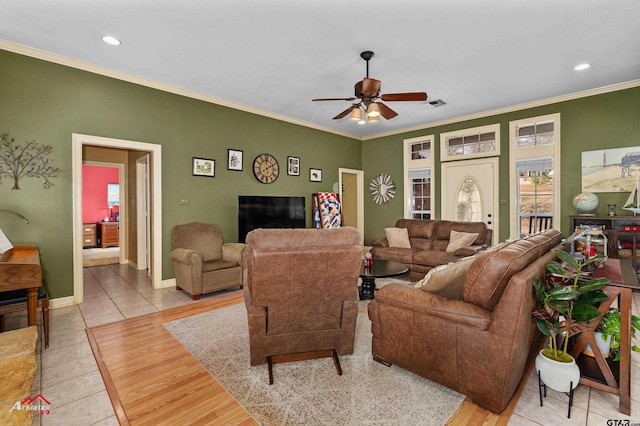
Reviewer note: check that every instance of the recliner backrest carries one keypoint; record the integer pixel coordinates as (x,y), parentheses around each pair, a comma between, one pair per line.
(205,238)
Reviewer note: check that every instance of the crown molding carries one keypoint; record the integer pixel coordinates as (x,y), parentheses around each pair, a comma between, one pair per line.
(108,72)
(512,108)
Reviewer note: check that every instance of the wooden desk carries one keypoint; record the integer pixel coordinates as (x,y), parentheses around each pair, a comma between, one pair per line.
(20,269)
(598,372)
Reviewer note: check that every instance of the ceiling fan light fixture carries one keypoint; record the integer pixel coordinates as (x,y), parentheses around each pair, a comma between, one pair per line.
(373,111)
(374,119)
(356,114)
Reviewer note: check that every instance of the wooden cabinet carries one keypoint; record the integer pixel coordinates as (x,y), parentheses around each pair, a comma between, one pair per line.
(108,234)
(88,235)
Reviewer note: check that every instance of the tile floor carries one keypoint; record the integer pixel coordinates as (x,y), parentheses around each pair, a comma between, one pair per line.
(69,378)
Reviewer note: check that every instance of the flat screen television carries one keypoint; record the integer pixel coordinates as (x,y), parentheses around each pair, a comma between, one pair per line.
(269,212)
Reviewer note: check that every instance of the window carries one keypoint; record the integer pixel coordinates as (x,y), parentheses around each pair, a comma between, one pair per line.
(535,195)
(418,182)
(535,183)
(468,204)
(470,143)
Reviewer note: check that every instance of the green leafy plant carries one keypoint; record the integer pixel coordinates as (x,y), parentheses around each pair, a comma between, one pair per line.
(610,326)
(567,301)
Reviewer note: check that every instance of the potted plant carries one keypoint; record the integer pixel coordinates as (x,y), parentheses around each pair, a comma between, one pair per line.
(567,302)
(608,333)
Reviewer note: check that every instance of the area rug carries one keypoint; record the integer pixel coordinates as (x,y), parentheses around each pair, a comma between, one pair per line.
(311,392)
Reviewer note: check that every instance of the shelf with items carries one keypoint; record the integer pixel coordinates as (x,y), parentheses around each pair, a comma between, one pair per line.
(622,233)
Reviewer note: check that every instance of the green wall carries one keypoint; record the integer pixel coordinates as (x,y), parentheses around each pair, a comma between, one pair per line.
(610,120)
(48,102)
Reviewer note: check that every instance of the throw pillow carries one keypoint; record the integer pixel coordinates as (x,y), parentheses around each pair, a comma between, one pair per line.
(398,237)
(447,280)
(460,239)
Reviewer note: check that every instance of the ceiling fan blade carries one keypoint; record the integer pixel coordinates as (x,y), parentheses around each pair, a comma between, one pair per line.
(411,96)
(334,99)
(386,112)
(369,86)
(343,113)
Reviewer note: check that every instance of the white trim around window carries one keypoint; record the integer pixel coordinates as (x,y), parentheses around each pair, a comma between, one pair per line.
(418,154)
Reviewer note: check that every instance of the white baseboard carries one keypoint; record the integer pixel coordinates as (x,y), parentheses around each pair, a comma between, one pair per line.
(61,302)
(171,282)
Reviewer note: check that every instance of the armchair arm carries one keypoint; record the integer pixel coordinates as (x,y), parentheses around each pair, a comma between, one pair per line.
(186,256)
(414,299)
(380,242)
(469,251)
(233,252)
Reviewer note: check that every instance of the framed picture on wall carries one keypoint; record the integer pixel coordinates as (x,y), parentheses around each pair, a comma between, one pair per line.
(234,160)
(293,166)
(203,167)
(315,175)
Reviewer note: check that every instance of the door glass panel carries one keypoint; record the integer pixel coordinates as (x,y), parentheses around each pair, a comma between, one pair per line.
(468,204)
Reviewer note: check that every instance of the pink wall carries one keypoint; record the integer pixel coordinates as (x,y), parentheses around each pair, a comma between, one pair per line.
(94,192)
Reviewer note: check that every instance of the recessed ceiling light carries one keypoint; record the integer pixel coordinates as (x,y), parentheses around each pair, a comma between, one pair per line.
(582,67)
(111,40)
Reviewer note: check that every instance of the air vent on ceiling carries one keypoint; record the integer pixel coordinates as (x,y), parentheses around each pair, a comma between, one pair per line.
(437,103)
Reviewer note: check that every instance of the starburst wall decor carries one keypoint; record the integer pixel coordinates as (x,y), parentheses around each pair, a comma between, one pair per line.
(382,189)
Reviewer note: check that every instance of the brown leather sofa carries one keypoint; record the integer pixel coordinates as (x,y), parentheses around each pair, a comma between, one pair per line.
(429,240)
(480,345)
(301,291)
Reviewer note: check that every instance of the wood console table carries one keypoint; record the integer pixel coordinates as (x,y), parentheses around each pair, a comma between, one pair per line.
(598,372)
(20,269)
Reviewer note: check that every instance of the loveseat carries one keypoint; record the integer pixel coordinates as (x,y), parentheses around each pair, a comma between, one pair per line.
(426,243)
(479,344)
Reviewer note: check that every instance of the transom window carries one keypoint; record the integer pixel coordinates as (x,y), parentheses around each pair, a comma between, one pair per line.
(471,143)
(536,134)
(420,150)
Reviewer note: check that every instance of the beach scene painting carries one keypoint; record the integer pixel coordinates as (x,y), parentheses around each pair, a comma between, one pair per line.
(611,170)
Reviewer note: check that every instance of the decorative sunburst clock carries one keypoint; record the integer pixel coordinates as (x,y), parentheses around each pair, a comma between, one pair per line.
(381,188)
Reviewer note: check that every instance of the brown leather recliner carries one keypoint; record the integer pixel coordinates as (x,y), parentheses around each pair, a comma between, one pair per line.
(202,262)
(301,292)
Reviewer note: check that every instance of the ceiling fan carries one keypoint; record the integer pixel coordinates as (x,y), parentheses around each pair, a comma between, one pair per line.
(368,97)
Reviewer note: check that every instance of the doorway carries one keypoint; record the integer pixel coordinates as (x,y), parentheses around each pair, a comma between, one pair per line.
(155,211)
(469,192)
(351,191)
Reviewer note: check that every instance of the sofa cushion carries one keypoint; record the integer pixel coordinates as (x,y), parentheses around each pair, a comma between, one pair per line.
(433,257)
(447,280)
(418,228)
(444,227)
(396,254)
(460,239)
(398,237)
(491,271)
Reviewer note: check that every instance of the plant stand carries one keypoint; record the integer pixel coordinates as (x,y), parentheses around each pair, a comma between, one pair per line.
(570,393)
(597,373)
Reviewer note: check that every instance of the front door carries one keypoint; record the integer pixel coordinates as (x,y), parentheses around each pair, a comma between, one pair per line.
(470,191)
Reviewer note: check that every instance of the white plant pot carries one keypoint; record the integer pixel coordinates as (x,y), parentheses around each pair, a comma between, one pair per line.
(558,375)
(603,345)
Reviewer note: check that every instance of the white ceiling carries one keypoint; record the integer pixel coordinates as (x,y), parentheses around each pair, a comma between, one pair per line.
(274,56)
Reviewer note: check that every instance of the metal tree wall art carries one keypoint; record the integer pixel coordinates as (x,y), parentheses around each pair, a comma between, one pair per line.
(30,159)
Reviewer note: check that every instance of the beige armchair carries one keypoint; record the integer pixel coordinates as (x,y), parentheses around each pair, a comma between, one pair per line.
(202,262)
(301,293)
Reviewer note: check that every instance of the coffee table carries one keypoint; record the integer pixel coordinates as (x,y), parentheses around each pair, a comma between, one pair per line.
(380,269)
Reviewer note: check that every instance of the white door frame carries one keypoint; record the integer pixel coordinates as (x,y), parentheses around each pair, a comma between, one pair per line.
(359,196)
(121,200)
(142,213)
(496,188)
(78,140)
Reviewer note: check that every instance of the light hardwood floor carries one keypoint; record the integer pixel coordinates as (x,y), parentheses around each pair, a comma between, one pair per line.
(150,377)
